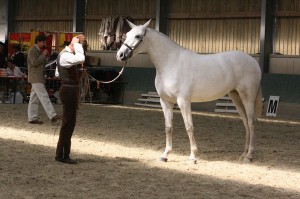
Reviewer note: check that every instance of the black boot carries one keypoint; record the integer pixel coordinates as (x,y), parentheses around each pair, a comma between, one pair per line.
(65,159)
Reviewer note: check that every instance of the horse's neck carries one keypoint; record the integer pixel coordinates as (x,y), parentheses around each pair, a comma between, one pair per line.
(160,47)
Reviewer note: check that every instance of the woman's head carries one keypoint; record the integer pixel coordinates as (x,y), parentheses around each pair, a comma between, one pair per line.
(10,64)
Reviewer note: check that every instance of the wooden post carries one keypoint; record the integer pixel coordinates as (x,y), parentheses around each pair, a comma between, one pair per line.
(79,16)
(11,4)
(162,12)
(266,34)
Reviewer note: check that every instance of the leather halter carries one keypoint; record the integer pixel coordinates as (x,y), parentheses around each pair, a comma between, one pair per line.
(134,47)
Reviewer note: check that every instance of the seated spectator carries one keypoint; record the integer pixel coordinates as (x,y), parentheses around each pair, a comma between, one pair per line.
(18,57)
(13,70)
(16,84)
(2,55)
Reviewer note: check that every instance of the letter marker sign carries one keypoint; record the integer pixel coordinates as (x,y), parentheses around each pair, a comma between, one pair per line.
(272,106)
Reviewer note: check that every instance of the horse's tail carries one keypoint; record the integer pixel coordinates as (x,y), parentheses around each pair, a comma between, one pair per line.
(258,103)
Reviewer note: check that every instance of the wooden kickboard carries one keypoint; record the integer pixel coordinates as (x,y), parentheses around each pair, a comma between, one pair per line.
(226,111)
(157,100)
(150,99)
(225,105)
(148,105)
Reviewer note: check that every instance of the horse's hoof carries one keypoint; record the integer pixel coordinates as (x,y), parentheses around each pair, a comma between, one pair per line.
(163,159)
(241,158)
(192,161)
(247,160)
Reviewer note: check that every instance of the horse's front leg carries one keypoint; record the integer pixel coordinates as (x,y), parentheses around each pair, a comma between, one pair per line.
(185,107)
(168,114)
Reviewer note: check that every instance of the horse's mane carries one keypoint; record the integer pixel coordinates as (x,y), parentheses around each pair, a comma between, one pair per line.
(172,42)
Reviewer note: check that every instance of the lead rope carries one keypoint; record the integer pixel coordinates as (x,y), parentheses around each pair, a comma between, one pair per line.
(108,82)
(86,86)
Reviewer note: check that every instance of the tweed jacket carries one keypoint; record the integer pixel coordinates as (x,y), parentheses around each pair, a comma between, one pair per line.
(36,62)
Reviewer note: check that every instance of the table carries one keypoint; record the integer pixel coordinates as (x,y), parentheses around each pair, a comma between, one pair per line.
(51,85)
(115,90)
(5,82)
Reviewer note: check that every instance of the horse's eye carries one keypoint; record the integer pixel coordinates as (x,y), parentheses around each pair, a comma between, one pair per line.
(137,36)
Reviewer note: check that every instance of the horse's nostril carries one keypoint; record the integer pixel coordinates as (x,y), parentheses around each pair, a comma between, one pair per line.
(120,56)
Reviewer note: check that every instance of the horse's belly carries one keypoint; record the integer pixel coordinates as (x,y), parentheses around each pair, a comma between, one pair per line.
(197,91)
(210,92)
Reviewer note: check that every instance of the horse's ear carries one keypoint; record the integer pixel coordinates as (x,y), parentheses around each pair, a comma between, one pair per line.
(131,25)
(147,23)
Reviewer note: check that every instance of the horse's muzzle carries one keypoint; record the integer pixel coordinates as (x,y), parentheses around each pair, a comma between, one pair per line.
(123,56)
(120,57)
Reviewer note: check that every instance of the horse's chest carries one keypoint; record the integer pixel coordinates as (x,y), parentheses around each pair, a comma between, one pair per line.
(165,82)
(168,87)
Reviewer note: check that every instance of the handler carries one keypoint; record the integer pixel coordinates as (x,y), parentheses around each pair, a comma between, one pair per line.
(68,62)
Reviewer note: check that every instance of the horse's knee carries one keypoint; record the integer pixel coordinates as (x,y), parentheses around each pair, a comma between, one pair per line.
(245,120)
(250,121)
(190,129)
(194,150)
(168,129)
(169,149)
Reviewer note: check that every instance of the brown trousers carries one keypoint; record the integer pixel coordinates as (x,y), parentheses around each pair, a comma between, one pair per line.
(69,95)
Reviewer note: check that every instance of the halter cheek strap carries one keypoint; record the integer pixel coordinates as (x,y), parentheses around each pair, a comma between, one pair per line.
(129,46)
(134,47)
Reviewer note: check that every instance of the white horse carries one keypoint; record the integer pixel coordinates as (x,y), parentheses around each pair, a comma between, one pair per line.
(183,76)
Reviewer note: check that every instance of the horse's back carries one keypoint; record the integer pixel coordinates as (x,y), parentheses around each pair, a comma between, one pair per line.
(237,60)
(236,64)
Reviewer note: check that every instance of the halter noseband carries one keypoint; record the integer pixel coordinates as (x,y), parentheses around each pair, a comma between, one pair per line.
(130,47)
(134,47)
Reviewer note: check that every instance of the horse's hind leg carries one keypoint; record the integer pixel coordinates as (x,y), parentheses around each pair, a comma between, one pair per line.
(249,106)
(185,107)
(168,114)
(241,110)
(248,100)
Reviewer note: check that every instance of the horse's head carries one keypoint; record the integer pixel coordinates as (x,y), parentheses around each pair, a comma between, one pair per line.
(132,42)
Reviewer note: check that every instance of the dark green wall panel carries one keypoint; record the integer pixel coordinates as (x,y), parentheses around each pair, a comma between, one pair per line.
(285,86)
(139,79)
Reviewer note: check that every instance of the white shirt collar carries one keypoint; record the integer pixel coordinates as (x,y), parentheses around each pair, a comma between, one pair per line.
(68,49)
(37,47)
